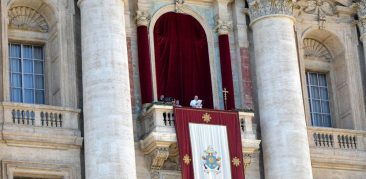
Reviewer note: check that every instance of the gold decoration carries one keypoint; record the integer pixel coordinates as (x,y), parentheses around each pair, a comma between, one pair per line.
(236,161)
(186,159)
(206,117)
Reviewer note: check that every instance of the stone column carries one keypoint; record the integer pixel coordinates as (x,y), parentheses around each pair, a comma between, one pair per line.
(108,133)
(282,118)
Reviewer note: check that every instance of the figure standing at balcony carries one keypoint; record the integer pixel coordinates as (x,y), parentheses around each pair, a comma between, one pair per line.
(196,103)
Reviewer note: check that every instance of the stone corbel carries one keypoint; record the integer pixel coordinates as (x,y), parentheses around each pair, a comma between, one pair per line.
(158,157)
(142,18)
(223,27)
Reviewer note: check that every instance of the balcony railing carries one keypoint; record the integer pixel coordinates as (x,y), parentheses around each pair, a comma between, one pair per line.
(41,115)
(336,138)
(40,125)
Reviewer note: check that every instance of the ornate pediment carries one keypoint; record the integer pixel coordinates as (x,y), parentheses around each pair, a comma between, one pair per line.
(26,18)
(315,49)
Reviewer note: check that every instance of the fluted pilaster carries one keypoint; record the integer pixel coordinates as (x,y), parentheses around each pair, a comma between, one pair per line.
(284,136)
(108,131)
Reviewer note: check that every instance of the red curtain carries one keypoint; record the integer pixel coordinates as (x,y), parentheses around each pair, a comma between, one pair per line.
(144,65)
(181,59)
(226,72)
(184,116)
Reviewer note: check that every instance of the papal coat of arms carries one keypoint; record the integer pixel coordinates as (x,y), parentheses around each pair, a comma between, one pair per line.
(211,161)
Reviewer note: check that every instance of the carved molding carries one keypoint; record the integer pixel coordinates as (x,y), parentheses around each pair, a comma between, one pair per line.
(158,157)
(260,8)
(142,18)
(223,27)
(313,48)
(321,8)
(26,18)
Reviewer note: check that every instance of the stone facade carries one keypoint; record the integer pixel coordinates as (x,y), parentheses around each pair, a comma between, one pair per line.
(93,124)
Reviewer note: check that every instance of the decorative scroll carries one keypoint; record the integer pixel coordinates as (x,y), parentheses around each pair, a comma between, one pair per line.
(26,18)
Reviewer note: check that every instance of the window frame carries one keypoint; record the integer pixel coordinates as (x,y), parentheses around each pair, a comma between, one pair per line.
(311,98)
(22,73)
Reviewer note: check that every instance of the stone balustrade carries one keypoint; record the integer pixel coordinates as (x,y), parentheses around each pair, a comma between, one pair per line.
(40,125)
(40,115)
(336,138)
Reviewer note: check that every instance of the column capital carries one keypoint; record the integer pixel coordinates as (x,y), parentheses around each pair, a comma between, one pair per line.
(261,8)
(142,18)
(223,27)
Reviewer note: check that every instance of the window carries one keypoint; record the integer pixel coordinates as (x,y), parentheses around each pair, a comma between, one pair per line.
(26,73)
(318,99)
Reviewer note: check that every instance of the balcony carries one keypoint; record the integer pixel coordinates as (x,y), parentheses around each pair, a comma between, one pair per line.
(40,126)
(159,142)
(337,148)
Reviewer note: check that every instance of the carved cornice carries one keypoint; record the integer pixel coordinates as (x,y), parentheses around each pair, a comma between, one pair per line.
(142,18)
(26,18)
(260,8)
(223,27)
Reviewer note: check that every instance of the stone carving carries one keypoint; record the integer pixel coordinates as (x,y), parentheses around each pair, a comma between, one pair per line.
(259,8)
(361,12)
(179,6)
(158,157)
(142,18)
(26,18)
(321,8)
(313,48)
(247,159)
(223,27)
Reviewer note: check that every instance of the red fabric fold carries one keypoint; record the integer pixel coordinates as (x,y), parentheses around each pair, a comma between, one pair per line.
(144,65)
(181,59)
(226,71)
(184,116)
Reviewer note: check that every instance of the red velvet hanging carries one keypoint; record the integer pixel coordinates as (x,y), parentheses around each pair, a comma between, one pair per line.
(226,72)
(181,59)
(184,116)
(144,65)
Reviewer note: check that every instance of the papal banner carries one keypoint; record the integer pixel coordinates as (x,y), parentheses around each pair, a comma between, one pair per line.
(209,144)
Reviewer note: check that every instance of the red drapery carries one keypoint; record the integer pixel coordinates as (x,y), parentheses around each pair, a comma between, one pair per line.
(181,59)
(184,116)
(144,65)
(226,72)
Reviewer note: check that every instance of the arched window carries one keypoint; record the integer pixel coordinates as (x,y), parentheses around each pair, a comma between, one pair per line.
(329,90)
(181,59)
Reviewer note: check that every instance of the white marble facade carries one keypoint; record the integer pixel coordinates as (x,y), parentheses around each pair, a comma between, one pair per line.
(99,128)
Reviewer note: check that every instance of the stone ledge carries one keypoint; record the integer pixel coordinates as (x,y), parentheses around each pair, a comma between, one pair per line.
(41,137)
